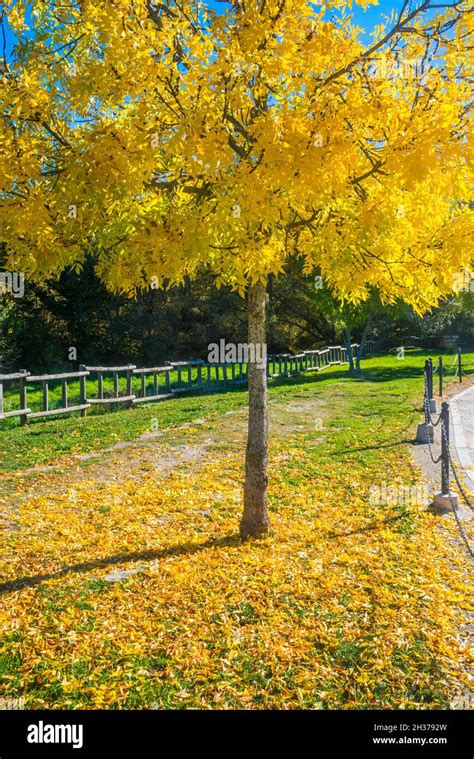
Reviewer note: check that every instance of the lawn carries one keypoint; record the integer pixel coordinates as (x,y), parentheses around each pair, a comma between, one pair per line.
(125,584)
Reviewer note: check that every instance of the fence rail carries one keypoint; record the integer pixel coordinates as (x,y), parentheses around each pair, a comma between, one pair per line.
(190,376)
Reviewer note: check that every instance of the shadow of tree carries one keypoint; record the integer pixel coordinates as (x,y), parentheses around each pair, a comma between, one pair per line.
(370,528)
(184,549)
(376,446)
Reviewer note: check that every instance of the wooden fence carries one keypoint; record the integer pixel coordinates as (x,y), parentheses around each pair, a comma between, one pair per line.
(131,385)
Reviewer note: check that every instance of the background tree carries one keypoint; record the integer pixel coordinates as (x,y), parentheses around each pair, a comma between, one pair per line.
(167,137)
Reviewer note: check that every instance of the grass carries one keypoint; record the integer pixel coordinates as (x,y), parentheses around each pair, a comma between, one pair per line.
(348,604)
(42,441)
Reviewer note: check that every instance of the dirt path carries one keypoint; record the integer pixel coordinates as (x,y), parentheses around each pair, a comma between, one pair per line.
(160,452)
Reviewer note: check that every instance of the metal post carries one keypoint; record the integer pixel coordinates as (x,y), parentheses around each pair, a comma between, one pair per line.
(430,379)
(431,400)
(425,432)
(446,500)
(444,448)
(440,375)
(460,364)
(426,392)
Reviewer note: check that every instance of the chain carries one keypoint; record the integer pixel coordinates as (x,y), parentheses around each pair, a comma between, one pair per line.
(445,470)
(428,417)
(430,421)
(453,468)
(454,507)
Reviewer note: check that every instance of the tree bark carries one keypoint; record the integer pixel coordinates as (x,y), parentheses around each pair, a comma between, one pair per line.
(360,349)
(255,521)
(348,341)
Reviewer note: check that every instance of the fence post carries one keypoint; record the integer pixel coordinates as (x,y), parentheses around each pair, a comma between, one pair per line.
(82,389)
(426,392)
(445,448)
(23,402)
(45,396)
(129,390)
(440,375)
(425,431)
(446,500)
(431,400)
(460,363)
(64,399)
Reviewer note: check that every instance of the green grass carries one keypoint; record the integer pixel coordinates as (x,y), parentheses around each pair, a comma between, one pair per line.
(44,441)
(367,424)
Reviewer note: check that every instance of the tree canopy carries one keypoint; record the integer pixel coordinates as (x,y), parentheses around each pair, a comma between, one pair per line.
(169,136)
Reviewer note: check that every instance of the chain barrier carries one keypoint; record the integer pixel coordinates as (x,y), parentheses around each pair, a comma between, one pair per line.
(454,507)
(445,464)
(429,420)
(454,470)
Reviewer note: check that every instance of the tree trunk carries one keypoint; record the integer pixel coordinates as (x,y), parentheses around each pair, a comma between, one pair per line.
(360,349)
(255,521)
(350,357)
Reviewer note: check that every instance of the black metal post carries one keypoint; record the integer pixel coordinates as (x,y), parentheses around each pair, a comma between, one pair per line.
(445,448)
(460,364)
(430,379)
(440,375)
(426,392)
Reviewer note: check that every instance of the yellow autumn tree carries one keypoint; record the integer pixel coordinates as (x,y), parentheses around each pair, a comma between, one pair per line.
(163,137)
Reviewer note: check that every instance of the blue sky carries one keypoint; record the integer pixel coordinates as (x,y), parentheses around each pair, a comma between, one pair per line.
(365,19)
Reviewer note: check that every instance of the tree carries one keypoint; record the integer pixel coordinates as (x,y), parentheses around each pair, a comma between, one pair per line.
(170,137)
(358,315)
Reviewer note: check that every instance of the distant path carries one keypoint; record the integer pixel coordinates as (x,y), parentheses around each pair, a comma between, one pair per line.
(462,416)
